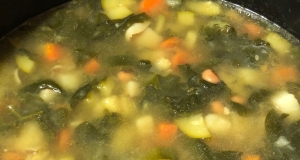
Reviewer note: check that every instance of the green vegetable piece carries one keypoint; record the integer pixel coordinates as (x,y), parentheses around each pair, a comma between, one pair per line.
(257,97)
(80,94)
(274,125)
(120,60)
(106,125)
(187,71)
(111,27)
(36,87)
(161,153)
(59,118)
(86,135)
(242,110)
(144,65)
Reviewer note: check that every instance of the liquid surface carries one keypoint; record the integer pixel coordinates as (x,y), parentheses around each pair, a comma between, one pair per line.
(149,80)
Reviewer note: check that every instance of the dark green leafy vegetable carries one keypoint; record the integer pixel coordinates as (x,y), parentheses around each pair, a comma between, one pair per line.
(80,94)
(240,51)
(59,118)
(242,110)
(161,153)
(144,65)
(257,97)
(274,125)
(187,71)
(111,27)
(226,155)
(106,125)
(36,87)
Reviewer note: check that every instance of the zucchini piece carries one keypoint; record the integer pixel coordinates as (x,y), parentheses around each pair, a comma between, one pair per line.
(193,126)
(205,8)
(186,18)
(278,43)
(25,63)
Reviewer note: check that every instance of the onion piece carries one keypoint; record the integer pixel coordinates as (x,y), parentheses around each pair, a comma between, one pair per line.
(136,29)
(16,76)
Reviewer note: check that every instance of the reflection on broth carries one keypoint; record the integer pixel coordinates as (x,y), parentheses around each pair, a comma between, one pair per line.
(149,79)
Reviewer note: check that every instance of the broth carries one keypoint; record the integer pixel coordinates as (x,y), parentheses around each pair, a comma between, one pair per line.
(164,79)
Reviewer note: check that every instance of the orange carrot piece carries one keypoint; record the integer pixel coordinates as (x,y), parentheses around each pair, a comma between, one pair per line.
(283,74)
(91,66)
(64,139)
(251,157)
(13,156)
(152,6)
(170,43)
(52,52)
(125,76)
(167,132)
(254,30)
(179,58)
(217,107)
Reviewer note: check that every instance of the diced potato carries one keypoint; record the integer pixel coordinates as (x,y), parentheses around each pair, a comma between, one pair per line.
(30,138)
(133,88)
(111,103)
(110,4)
(128,106)
(25,63)
(206,8)
(70,81)
(193,126)
(191,39)
(287,103)
(278,43)
(145,125)
(117,9)
(148,39)
(47,95)
(118,12)
(186,18)
(217,124)
(161,20)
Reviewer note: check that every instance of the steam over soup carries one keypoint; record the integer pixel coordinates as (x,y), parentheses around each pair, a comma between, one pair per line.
(149,80)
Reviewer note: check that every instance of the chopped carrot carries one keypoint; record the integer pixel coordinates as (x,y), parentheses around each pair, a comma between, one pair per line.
(125,76)
(283,74)
(64,139)
(170,43)
(217,107)
(92,66)
(13,156)
(181,57)
(52,51)
(251,157)
(167,132)
(238,99)
(253,30)
(152,7)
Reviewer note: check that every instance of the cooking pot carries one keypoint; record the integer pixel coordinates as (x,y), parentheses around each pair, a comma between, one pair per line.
(285,13)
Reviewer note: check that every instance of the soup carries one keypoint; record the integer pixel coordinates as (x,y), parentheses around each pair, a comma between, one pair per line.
(150,79)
